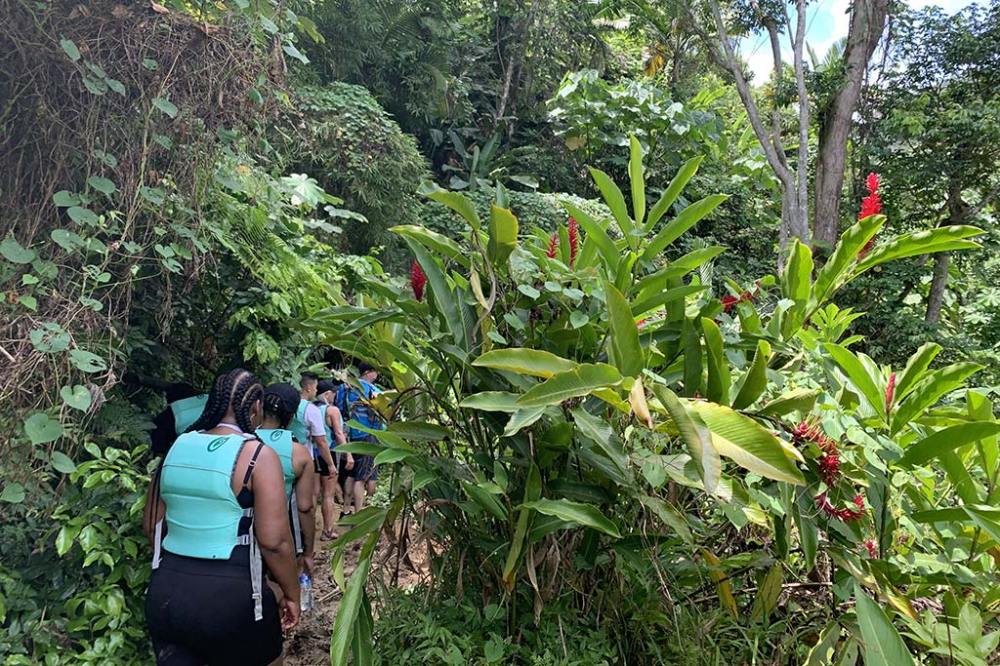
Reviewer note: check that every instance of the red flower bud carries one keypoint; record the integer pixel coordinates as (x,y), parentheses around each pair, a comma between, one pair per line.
(870,205)
(553,245)
(871,548)
(574,239)
(890,391)
(417,280)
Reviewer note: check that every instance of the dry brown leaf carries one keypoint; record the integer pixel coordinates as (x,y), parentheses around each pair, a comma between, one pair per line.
(158,8)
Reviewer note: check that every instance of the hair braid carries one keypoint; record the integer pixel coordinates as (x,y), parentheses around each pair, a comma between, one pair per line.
(247,391)
(219,400)
(273,407)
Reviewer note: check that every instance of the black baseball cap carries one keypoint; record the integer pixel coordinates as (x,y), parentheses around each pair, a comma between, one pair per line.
(324,386)
(287,394)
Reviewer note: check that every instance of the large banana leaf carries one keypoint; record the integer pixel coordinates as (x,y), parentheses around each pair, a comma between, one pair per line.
(580,381)
(533,362)
(695,436)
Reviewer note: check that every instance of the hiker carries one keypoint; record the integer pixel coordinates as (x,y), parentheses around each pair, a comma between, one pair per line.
(184,406)
(280,403)
(307,425)
(215,508)
(356,405)
(327,480)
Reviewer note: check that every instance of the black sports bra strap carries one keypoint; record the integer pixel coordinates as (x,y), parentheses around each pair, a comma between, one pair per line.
(252,464)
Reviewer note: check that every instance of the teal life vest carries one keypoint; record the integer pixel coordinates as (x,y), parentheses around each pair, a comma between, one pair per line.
(323,407)
(203,516)
(281,442)
(298,426)
(187,411)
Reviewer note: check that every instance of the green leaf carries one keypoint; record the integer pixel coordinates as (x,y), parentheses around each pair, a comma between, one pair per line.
(928,241)
(796,400)
(595,234)
(14,253)
(858,376)
(521,419)
(389,456)
(102,185)
(587,515)
(987,518)
(86,361)
(419,431)
(696,437)
(767,594)
(82,215)
(835,270)
(434,242)
(165,106)
(492,401)
(657,298)
(882,643)
(484,499)
(821,654)
(601,434)
(348,609)
(947,439)
(755,381)
(65,199)
(294,52)
(13,493)
(686,219)
(615,201)
(29,302)
(77,397)
(503,235)
(66,239)
(41,428)
(578,319)
(532,491)
(459,203)
(69,47)
(637,178)
(669,516)
(750,446)
(533,362)
(50,337)
(669,196)
(623,336)
(930,389)
(915,368)
(719,379)
(62,463)
(574,383)
(796,285)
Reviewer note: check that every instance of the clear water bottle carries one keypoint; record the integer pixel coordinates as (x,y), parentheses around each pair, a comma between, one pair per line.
(305,592)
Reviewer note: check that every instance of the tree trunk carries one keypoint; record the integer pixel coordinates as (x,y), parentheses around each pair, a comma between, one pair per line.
(867,22)
(939,284)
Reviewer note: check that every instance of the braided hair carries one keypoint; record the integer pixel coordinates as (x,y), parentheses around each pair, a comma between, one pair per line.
(273,407)
(238,388)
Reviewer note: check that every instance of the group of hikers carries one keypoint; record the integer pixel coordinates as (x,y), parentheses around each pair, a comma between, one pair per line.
(230,509)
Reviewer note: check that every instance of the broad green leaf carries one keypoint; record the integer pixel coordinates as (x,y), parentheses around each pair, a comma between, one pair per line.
(595,234)
(523,361)
(821,654)
(882,643)
(503,235)
(76,396)
(796,400)
(964,485)
(767,594)
(13,493)
(86,361)
(858,376)
(947,439)
(41,428)
(434,242)
(658,298)
(616,203)
(63,463)
(686,219)
(637,178)
(532,491)
(66,239)
(987,518)
(492,401)
(691,342)
(65,199)
(389,456)
(485,500)
(695,435)
(521,419)
(623,336)
(722,585)
(915,368)
(796,285)
(49,337)
(669,516)
(930,389)
(165,106)
(928,241)
(459,203)
(364,448)
(669,196)
(601,433)
(836,269)
(70,49)
(749,445)
(348,609)
(574,383)
(755,381)
(420,431)
(13,252)
(677,268)
(719,379)
(445,300)
(82,215)
(103,185)
(575,512)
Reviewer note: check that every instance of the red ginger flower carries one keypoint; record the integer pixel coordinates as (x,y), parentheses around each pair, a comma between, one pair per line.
(553,245)
(890,391)
(845,514)
(574,239)
(417,280)
(729,302)
(871,548)
(829,461)
(870,205)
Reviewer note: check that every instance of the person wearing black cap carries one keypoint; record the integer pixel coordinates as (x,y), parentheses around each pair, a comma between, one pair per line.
(280,402)
(328,478)
(355,402)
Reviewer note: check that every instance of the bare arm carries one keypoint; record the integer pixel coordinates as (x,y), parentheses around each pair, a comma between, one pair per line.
(304,497)
(271,521)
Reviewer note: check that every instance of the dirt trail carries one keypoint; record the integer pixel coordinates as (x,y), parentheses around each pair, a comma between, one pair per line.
(309,643)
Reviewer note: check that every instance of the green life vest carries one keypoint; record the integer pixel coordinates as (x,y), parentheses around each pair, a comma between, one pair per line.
(298,425)
(187,411)
(323,407)
(203,516)
(281,442)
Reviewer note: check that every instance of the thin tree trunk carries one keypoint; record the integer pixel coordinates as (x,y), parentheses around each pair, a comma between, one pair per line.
(939,284)
(867,23)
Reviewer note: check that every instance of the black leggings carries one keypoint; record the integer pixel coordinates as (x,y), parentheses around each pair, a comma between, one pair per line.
(201,612)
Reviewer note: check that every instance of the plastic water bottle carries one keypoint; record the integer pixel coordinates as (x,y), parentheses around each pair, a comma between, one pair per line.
(305,592)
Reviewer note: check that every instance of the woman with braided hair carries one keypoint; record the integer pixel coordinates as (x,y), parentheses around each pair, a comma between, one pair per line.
(216,507)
